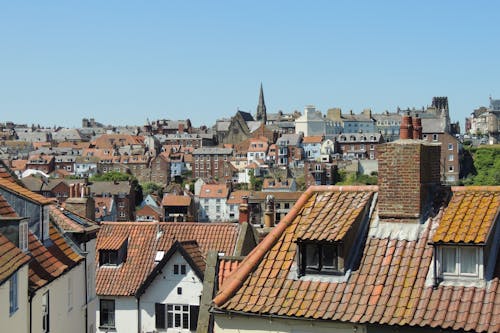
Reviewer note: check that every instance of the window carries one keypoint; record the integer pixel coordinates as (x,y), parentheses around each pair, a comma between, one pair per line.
(450,146)
(459,261)
(13,303)
(319,258)
(45,312)
(179,291)
(107,313)
(179,269)
(178,316)
(451,168)
(108,257)
(450,157)
(434,137)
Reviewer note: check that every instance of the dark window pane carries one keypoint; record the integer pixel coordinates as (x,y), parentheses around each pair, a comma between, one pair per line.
(183,269)
(185,320)
(176,269)
(177,320)
(160,315)
(312,256)
(170,322)
(329,257)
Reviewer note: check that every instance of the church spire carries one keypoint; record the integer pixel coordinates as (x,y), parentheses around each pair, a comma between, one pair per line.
(261,108)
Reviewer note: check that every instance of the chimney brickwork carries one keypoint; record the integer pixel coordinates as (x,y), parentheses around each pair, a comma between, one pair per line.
(408,173)
(80,201)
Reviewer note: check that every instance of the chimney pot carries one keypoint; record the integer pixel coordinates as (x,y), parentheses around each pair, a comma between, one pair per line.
(406,128)
(243,210)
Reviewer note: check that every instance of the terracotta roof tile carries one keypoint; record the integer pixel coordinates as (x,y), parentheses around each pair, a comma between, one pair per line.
(23,192)
(214,191)
(11,258)
(388,287)
(143,244)
(176,200)
(6,210)
(469,216)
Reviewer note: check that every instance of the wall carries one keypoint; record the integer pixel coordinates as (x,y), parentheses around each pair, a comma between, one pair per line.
(164,290)
(366,167)
(125,314)
(18,321)
(62,318)
(255,324)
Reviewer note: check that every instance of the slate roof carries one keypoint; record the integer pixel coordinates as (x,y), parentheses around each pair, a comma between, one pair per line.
(143,244)
(388,287)
(11,258)
(469,216)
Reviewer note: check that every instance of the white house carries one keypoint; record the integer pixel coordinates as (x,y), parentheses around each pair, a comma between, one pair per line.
(213,200)
(312,147)
(311,123)
(150,275)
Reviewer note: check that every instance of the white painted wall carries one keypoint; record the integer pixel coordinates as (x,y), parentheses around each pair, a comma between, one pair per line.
(18,321)
(125,314)
(164,290)
(64,317)
(254,324)
(208,209)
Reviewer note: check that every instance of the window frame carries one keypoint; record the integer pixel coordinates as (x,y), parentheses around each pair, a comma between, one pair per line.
(111,321)
(321,268)
(458,262)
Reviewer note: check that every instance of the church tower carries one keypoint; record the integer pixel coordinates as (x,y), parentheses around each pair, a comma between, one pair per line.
(261,108)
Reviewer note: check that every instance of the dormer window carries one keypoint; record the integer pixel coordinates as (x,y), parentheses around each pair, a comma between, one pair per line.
(319,258)
(113,257)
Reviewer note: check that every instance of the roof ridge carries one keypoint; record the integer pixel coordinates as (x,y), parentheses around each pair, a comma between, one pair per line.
(477,188)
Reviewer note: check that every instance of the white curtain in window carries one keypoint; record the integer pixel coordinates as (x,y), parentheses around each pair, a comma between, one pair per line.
(468,260)
(449,260)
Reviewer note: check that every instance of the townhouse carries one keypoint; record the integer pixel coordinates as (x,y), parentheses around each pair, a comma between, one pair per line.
(213,202)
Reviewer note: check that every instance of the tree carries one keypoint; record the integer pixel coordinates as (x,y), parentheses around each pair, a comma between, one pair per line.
(152,188)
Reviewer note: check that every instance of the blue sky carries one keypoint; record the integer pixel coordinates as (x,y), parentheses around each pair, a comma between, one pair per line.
(122,62)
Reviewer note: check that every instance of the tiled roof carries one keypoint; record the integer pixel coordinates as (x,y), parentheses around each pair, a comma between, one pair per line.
(50,262)
(6,210)
(332,215)
(5,172)
(470,215)
(258,195)
(226,267)
(23,192)
(148,210)
(214,191)
(388,287)
(143,244)
(176,200)
(192,248)
(312,139)
(11,258)
(236,197)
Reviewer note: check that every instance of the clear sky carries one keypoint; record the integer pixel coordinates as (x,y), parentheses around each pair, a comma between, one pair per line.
(122,62)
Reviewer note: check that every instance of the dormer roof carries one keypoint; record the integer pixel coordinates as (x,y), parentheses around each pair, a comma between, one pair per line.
(469,216)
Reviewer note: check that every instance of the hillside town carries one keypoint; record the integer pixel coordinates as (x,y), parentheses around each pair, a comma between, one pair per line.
(306,221)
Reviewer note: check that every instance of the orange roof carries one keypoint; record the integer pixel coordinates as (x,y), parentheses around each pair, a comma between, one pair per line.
(23,192)
(387,287)
(50,262)
(109,140)
(236,197)
(19,165)
(176,200)
(148,210)
(226,267)
(470,215)
(6,210)
(70,221)
(214,191)
(5,173)
(312,139)
(143,245)
(11,258)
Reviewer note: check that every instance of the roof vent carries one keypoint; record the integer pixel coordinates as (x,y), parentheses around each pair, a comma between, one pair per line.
(159,256)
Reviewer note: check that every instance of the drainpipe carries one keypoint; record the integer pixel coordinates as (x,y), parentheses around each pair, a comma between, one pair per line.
(436,278)
(138,314)
(31,295)
(86,289)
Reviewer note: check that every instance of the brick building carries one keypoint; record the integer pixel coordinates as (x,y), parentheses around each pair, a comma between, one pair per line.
(213,163)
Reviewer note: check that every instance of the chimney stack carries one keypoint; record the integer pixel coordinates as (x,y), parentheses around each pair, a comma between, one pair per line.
(408,176)
(80,201)
(243,210)
(269,212)
(417,127)
(406,128)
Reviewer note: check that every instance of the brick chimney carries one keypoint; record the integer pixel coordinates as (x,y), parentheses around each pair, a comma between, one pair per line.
(244,213)
(408,176)
(417,127)
(80,201)
(406,127)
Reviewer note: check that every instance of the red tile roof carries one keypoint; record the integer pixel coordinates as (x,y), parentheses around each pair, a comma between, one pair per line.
(470,215)
(143,244)
(5,209)
(226,267)
(388,287)
(312,139)
(6,173)
(176,200)
(11,258)
(50,262)
(214,191)
(236,197)
(23,192)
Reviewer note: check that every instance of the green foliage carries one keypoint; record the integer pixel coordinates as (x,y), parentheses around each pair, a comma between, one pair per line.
(111,177)
(356,179)
(486,166)
(255,183)
(151,188)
